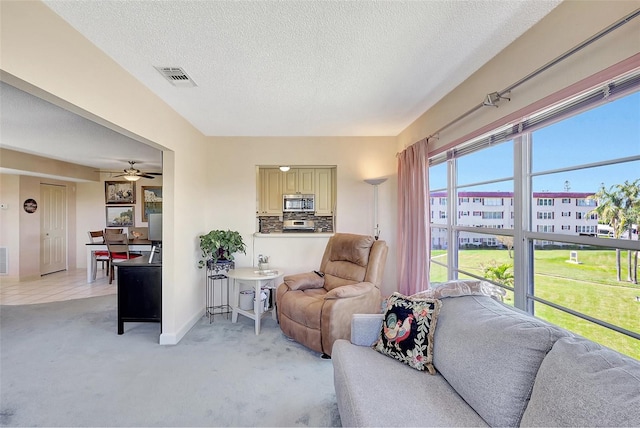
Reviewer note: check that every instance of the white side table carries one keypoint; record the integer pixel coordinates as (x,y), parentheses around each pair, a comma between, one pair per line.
(256,279)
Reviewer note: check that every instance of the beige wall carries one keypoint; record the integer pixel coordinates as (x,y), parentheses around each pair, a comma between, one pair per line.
(565,27)
(233,192)
(28,163)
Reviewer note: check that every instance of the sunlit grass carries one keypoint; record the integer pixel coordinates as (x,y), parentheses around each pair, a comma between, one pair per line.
(589,287)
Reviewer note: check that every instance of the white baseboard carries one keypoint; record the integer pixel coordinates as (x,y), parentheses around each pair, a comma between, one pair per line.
(174,338)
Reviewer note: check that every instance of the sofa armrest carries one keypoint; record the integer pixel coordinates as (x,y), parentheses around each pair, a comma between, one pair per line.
(365,328)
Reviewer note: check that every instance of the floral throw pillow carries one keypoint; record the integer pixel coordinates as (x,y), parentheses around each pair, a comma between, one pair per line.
(407,331)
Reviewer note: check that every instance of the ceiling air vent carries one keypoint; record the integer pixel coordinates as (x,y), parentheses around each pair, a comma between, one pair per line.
(176,76)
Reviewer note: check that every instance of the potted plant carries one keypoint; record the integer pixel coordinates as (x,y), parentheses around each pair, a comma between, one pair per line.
(219,246)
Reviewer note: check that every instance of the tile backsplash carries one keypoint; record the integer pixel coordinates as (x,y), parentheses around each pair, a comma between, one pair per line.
(273,224)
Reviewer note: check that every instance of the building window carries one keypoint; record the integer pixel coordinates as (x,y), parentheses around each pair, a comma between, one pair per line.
(492,215)
(493,201)
(463,200)
(545,215)
(580,215)
(585,202)
(566,213)
(586,230)
(566,227)
(477,213)
(477,200)
(545,202)
(545,228)
(566,200)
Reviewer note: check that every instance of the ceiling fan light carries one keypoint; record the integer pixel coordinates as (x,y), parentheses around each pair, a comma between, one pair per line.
(131,177)
(285,168)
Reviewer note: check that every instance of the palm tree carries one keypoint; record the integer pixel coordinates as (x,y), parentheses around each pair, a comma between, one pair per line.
(630,198)
(499,273)
(609,212)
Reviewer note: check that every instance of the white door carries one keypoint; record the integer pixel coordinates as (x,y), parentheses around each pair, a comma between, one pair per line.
(53,228)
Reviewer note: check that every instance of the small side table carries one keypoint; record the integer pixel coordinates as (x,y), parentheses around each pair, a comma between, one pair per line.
(256,279)
(217,272)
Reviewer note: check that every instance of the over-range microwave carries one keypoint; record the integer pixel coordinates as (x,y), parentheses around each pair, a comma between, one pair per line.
(298,203)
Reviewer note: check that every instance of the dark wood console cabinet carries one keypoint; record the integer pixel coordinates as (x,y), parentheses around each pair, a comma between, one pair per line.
(139,291)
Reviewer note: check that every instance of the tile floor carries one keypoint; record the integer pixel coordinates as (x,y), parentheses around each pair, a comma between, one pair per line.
(66,285)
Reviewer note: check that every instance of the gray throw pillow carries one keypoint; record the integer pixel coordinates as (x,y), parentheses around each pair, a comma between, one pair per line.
(490,354)
(581,383)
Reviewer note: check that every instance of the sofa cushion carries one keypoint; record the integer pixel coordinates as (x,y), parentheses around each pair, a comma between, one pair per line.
(581,383)
(374,390)
(490,354)
(462,287)
(407,331)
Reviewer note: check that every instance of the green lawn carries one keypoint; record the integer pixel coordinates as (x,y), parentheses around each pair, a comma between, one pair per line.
(589,287)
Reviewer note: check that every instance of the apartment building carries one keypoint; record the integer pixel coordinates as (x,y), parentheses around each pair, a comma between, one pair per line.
(568,213)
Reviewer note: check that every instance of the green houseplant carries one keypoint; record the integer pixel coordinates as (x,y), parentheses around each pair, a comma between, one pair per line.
(220,245)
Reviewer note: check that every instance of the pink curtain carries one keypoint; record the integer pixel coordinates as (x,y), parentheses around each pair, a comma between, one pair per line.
(414,248)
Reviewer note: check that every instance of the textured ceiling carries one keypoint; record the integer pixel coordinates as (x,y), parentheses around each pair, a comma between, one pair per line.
(303,68)
(272,68)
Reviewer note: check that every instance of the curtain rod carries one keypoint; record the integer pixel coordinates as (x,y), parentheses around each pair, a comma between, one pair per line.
(496,96)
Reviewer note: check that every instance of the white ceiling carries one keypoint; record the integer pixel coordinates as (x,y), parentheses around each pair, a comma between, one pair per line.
(285,68)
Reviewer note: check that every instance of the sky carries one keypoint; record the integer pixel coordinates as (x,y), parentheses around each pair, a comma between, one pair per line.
(610,131)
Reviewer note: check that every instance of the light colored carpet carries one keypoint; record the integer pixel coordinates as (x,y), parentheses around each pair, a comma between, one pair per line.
(62,364)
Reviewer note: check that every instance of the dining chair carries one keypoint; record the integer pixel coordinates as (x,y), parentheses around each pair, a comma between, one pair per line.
(118,247)
(108,231)
(97,237)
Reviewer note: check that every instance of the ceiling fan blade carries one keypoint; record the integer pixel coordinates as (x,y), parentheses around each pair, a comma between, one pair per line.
(145,175)
(153,173)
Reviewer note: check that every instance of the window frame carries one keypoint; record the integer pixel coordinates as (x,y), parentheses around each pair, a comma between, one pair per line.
(523,229)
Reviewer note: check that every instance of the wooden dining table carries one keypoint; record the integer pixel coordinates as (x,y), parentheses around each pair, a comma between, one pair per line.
(135,245)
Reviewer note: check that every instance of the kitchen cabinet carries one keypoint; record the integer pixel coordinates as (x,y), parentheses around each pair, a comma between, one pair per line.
(270,192)
(323,189)
(298,180)
(273,183)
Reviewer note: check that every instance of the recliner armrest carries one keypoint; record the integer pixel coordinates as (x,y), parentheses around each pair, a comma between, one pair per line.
(304,281)
(365,328)
(351,290)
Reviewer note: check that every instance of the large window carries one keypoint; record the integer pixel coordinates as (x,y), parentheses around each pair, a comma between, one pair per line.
(574,268)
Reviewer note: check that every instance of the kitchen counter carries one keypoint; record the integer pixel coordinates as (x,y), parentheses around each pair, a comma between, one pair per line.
(293,235)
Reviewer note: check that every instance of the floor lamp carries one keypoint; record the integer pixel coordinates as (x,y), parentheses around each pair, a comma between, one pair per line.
(375,182)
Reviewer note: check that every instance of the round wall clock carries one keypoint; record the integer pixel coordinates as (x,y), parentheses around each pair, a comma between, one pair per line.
(30,206)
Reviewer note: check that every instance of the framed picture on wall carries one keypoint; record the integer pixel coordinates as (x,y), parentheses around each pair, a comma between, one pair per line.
(152,203)
(120,192)
(120,216)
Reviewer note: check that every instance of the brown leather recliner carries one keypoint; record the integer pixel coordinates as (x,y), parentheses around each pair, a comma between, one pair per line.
(316,310)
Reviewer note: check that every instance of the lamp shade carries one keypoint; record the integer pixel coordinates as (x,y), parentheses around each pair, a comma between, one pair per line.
(285,168)
(375,181)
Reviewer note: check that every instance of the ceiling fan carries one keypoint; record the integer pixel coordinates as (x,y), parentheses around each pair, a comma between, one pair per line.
(134,174)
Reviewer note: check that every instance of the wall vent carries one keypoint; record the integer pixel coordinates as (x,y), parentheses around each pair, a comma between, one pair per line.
(4,261)
(176,76)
